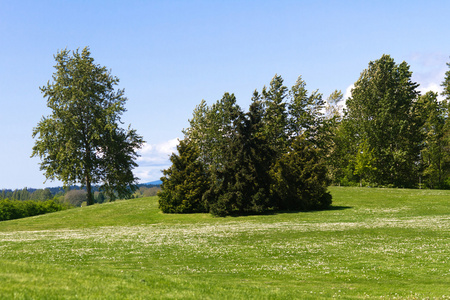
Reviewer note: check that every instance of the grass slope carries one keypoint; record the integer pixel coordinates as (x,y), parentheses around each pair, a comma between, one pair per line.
(374,243)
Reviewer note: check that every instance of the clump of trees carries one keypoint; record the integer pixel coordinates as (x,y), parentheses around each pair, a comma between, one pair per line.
(291,144)
(391,135)
(236,162)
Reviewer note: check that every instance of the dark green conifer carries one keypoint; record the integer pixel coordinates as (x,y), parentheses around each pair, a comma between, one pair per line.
(185,182)
(301,178)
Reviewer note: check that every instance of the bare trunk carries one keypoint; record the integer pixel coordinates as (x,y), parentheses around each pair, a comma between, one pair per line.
(90,201)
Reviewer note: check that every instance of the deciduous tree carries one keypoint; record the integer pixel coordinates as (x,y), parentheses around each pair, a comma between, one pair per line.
(81,141)
(380,112)
(435,159)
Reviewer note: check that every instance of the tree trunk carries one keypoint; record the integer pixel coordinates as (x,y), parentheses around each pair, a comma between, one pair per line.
(90,201)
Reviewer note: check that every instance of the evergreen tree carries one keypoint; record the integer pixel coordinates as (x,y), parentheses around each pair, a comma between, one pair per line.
(210,127)
(446,84)
(301,178)
(305,112)
(275,113)
(243,184)
(335,151)
(251,158)
(185,182)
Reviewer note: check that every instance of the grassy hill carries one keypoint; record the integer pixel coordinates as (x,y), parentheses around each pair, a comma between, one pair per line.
(374,243)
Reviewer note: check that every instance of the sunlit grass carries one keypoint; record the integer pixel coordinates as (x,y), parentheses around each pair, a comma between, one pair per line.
(374,243)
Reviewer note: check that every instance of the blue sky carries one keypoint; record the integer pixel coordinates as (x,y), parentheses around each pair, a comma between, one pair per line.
(169,55)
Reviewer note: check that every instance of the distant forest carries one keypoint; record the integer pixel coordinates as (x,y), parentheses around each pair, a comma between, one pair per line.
(144,190)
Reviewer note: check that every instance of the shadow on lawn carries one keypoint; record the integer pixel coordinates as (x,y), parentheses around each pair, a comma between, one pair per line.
(333,207)
(279,212)
(338,207)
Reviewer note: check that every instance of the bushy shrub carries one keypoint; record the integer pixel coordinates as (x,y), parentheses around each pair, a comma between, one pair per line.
(15,209)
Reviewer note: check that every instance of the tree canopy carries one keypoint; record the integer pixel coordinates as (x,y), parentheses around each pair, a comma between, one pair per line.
(81,141)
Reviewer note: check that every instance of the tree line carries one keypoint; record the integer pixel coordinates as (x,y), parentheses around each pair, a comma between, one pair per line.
(390,134)
(73,195)
(291,144)
(281,154)
(27,194)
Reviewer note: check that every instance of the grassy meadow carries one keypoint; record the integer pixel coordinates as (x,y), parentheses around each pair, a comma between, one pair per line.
(373,243)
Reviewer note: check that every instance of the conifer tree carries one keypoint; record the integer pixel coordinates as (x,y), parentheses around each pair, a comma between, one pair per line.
(185,182)
(275,118)
(301,178)
(305,112)
(244,181)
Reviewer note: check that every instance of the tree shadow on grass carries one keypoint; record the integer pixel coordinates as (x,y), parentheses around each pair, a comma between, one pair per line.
(333,207)
(339,207)
(279,212)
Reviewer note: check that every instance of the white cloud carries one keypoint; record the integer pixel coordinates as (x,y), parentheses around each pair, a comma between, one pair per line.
(154,158)
(429,71)
(434,87)
(348,92)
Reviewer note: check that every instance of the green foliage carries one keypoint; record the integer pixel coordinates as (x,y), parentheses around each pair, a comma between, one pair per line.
(381,113)
(301,178)
(364,162)
(243,181)
(185,182)
(26,194)
(435,159)
(81,141)
(390,135)
(305,113)
(275,113)
(16,209)
(209,127)
(241,149)
(147,191)
(99,197)
(446,84)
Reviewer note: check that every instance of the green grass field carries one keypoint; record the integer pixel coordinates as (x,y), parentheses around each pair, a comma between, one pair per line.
(374,243)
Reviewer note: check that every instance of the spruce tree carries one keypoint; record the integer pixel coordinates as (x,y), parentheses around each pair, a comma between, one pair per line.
(301,178)
(244,180)
(185,182)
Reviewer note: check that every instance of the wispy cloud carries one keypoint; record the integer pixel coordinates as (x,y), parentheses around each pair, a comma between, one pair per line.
(154,158)
(429,71)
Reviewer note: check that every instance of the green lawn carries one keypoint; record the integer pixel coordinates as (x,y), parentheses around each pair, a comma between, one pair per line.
(374,243)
